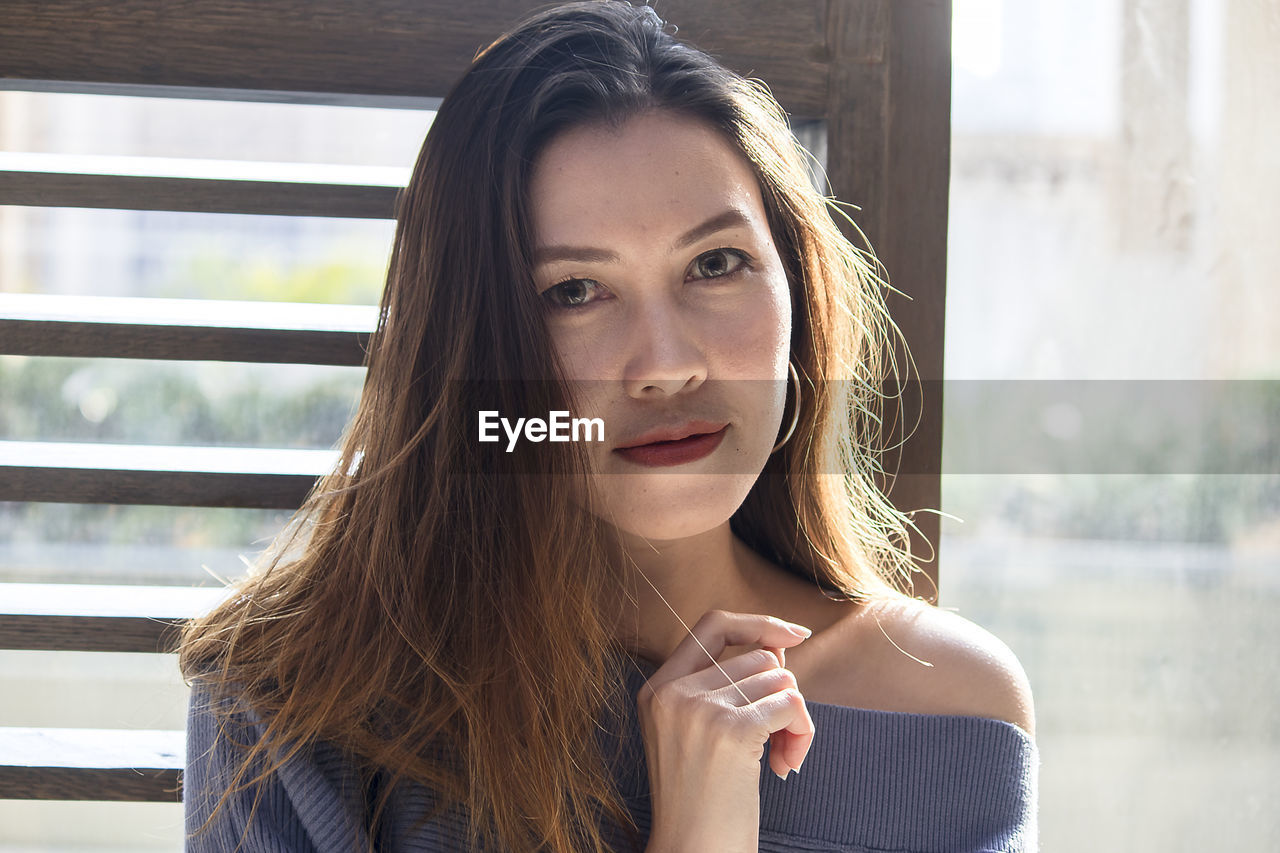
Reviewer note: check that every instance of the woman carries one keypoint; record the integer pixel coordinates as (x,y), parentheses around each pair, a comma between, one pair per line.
(590,645)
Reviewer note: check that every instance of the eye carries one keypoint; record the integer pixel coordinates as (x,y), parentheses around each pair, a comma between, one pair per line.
(718,263)
(571,293)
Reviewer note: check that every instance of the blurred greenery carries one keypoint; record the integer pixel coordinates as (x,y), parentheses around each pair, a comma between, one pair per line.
(1176,461)
(138,526)
(352,277)
(137,402)
(1111,426)
(1200,508)
(182,403)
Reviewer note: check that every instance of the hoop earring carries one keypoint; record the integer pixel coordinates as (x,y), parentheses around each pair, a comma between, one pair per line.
(795,414)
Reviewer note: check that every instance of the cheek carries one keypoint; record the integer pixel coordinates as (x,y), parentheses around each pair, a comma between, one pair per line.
(754,341)
(591,361)
(588,351)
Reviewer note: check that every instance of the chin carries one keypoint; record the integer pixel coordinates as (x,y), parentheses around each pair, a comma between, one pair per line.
(664,507)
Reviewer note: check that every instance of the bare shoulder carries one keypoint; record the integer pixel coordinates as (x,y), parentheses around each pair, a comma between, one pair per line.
(906,655)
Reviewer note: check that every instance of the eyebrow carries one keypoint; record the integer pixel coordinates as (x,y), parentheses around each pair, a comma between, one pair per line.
(731,218)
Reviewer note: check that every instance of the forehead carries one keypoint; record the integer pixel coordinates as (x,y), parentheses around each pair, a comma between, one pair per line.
(656,175)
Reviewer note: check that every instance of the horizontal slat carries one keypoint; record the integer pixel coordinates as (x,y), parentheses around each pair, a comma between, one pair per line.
(91,764)
(65,472)
(189,343)
(205,169)
(266,96)
(185,329)
(247,491)
(88,634)
(129,192)
(98,617)
(325,45)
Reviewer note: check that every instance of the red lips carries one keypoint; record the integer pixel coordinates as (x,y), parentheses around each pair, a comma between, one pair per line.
(673,433)
(679,451)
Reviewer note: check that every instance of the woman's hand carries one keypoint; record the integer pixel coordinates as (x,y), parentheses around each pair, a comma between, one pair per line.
(703,740)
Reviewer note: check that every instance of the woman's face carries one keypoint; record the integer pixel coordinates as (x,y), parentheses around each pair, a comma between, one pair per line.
(670,312)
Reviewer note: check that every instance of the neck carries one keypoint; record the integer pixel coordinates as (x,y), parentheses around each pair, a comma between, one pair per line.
(712,570)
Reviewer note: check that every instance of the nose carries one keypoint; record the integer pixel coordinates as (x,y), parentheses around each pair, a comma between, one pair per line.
(666,355)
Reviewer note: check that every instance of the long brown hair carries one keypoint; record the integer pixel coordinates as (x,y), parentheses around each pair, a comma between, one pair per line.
(426,599)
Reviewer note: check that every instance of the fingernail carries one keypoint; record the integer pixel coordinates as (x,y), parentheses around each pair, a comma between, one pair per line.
(779,775)
(799,629)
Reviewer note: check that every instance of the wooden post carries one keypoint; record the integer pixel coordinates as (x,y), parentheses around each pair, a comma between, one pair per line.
(889,114)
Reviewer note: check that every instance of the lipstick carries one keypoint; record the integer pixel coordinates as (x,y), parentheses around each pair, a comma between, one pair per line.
(681,452)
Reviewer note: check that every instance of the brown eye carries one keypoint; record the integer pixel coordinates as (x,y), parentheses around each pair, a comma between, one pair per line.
(570,294)
(718,263)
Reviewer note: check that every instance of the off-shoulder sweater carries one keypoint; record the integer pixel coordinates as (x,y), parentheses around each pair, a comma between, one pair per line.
(873,782)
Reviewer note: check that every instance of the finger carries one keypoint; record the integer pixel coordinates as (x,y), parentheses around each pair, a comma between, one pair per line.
(795,744)
(756,687)
(718,629)
(784,713)
(778,739)
(777,760)
(788,751)
(734,669)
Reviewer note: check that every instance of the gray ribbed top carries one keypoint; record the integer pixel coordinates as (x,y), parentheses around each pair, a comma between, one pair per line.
(873,782)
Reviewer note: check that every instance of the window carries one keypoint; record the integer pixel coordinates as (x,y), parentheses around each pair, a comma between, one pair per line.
(1111,240)
(246,262)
